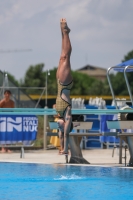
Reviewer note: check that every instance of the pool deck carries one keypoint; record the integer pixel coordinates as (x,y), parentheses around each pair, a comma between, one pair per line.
(98,157)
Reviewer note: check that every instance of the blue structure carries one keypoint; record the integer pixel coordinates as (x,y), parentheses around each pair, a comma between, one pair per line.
(18,128)
(100,126)
(121,67)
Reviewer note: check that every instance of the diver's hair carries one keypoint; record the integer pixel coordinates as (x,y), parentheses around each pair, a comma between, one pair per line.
(7,91)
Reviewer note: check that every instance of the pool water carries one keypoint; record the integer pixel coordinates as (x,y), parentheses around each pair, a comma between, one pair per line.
(59,182)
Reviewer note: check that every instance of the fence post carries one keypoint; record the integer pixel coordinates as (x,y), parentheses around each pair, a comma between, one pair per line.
(45,131)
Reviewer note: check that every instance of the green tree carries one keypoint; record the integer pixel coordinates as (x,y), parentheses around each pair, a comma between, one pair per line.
(81,83)
(52,83)
(130,74)
(34,77)
(96,88)
(13,79)
(118,80)
(106,88)
(128,56)
(119,84)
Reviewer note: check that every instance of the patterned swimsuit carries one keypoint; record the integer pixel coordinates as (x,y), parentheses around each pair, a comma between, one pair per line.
(62,104)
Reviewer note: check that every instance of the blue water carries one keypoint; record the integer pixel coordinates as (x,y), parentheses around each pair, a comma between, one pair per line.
(58,182)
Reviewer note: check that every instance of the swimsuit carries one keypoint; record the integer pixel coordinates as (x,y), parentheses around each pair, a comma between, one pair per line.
(62,104)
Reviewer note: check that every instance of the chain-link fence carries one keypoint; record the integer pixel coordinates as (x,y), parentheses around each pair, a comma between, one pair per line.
(19,96)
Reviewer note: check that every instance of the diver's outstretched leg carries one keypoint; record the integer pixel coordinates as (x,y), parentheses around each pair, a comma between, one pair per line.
(64,67)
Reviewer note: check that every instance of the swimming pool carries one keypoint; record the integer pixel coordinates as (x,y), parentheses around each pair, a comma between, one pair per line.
(59,182)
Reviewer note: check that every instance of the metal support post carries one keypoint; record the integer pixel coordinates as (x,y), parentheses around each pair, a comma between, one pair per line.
(22,152)
(120,151)
(45,132)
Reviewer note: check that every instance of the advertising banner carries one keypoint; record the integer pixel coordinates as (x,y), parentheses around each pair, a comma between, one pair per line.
(15,128)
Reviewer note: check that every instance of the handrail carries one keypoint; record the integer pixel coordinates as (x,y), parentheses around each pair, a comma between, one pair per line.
(124,69)
(50,111)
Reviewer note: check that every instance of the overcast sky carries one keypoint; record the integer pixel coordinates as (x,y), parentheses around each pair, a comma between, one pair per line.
(101,32)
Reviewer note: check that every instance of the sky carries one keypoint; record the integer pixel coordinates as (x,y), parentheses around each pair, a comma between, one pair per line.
(101,33)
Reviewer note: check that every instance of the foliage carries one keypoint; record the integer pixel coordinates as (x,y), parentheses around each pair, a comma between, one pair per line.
(106,88)
(96,88)
(13,79)
(119,85)
(82,83)
(118,80)
(35,76)
(129,75)
(128,56)
(52,83)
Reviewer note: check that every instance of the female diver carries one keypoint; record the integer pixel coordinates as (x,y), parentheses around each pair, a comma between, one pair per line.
(65,83)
